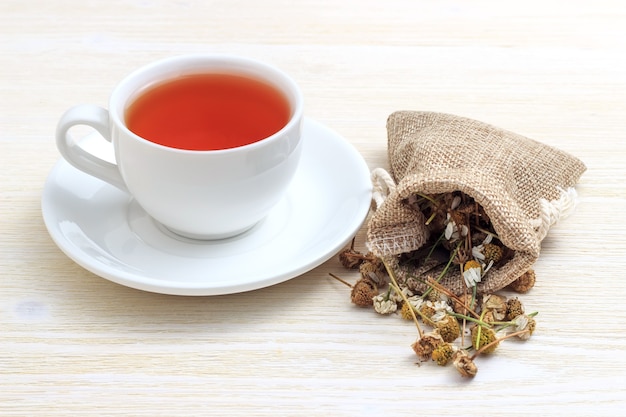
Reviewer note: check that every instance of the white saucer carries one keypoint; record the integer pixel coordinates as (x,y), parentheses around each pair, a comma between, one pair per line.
(106,232)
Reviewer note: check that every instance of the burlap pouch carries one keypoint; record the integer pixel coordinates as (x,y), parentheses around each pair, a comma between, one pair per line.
(523,186)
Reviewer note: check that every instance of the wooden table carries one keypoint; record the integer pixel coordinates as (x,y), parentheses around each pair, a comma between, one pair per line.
(72,343)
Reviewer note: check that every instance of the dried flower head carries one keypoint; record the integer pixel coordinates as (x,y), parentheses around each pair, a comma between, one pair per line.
(472,273)
(363,292)
(482,336)
(394,295)
(524,283)
(464,364)
(461,307)
(514,308)
(492,253)
(426,344)
(414,302)
(383,304)
(436,295)
(442,308)
(496,304)
(488,317)
(351,258)
(374,269)
(405,311)
(524,322)
(442,354)
(449,329)
(427,309)
(455,227)
(478,251)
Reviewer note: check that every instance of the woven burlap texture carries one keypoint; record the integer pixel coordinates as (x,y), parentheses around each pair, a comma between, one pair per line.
(508,174)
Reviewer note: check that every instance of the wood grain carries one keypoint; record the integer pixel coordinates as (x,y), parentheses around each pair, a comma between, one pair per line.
(72,343)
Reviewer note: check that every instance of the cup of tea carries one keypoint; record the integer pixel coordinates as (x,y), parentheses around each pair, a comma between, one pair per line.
(206,144)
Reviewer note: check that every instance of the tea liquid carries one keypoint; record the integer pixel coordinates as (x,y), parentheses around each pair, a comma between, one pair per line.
(208,112)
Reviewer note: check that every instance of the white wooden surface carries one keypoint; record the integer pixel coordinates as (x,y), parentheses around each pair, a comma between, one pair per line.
(72,343)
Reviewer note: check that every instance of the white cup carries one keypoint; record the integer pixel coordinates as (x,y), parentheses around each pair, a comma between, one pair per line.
(198,194)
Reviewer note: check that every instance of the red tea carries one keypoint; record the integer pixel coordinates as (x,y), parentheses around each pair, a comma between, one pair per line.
(208,112)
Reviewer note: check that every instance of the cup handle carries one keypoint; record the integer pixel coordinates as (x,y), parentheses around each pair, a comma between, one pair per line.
(98,118)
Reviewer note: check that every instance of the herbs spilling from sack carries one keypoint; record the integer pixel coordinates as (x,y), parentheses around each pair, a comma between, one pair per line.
(460,327)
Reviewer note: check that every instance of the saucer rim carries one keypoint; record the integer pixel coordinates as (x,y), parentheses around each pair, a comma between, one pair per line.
(144,283)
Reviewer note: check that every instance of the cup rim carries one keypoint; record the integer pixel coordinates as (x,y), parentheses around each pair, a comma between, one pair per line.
(180,65)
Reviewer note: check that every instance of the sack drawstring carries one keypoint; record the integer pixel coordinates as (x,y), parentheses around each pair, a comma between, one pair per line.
(382,184)
(554,210)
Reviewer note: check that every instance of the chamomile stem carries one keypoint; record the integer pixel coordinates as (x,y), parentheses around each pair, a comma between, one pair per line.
(340,280)
(506,324)
(432,200)
(463,330)
(480,328)
(511,322)
(480,229)
(473,296)
(394,282)
(488,345)
(445,269)
(468,318)
(430,219)
(432,249)
(452,256)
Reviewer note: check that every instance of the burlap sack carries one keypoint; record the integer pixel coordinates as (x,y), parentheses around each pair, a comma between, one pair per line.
(524,187)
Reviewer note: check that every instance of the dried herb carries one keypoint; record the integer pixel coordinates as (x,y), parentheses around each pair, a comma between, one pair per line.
(491,318)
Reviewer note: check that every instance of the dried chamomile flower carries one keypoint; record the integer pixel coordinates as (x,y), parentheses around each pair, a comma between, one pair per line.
(436,295)
(514,308)
(482,336)
(472,273)
(427,310)
(442,308)
(524,283)
(383,304)
(492,253)
(442,354)
(363,292)
(496,304)
(487,252)
(399,298)
(449,329)
(478,250)
(426,344)
(374,269)
(464,364)
(524,322)
(414,302)
(350,258)
(461,308)
(488,317)
(455,227)
(405,311)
